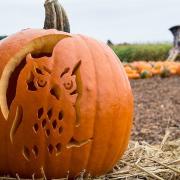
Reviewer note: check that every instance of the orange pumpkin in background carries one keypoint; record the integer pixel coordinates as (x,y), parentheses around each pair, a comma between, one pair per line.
(141,66)
(145,74)
(134,76)
(142,69)
(66,105)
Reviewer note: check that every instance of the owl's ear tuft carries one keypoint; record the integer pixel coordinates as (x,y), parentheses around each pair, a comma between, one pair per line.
(29,57)
(66,70)
(76,68)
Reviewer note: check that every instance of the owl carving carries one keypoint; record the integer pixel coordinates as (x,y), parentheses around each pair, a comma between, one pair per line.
(53,118)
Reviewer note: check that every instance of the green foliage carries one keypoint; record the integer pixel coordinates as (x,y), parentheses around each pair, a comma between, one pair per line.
(145,52)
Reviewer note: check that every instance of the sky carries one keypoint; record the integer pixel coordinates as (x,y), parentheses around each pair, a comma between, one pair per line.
(120,21)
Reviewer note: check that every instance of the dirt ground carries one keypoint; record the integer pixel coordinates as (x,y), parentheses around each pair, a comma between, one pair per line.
(157,108)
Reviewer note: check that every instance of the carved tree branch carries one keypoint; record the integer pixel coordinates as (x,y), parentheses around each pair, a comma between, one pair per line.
(56,17)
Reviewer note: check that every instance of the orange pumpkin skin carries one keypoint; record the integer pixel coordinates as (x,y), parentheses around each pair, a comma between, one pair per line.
(66,105)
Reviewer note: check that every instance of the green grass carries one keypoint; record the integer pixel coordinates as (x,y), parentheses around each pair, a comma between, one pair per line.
(138,52)
(145,52)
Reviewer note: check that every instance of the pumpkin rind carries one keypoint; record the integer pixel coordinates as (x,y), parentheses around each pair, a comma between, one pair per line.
(82,78)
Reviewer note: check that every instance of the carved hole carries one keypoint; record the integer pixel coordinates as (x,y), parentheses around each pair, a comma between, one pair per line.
(39,71)
(74,92)
(76,72)
(60,130)
(50,149)
(66,70)
(48,132)
(49,113)
(11,89)
(36,127)
(30,83)
(26,153)
(55,92)
(44,123)
(72,141)
(35,150)
(60,116)
(40,112)
(17,122)
(40,55)
(54,124)
(42,83)
(76,68)
(31,86)
(58,148)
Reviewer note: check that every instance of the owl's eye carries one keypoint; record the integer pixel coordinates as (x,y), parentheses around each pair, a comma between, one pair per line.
(39,71)
(41,83)
(68,85)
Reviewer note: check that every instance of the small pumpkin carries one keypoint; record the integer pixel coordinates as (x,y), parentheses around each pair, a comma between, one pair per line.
(155,71)
(128,69)
(145,74)
(66,105)
(141,66)
(134,76)
(165,72)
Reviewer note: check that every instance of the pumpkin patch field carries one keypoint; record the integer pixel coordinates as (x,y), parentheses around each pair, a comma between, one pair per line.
(143,69)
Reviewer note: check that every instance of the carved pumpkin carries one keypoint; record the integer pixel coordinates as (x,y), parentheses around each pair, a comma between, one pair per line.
(66,105)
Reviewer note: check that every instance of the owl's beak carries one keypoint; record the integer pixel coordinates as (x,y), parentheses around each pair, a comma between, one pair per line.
(55,91)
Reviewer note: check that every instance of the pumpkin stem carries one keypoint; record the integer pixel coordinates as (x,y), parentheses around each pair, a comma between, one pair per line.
(56,17)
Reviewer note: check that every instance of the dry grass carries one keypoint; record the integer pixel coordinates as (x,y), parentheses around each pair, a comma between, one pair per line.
(141,161)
